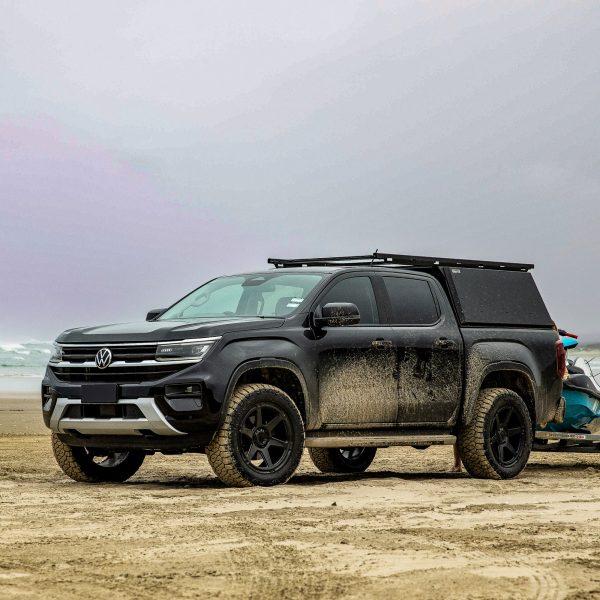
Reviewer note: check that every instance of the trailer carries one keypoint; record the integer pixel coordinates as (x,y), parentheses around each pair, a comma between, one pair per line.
(566,441)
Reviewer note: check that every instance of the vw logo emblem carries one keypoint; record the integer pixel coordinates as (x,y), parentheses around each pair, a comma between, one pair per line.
(103,358)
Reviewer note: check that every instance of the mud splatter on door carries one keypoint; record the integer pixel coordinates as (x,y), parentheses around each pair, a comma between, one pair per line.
(429,379)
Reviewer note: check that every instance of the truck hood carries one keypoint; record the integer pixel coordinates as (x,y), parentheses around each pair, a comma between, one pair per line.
(158,331)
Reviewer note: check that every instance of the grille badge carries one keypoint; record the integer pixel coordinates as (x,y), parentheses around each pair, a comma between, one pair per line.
(103,358)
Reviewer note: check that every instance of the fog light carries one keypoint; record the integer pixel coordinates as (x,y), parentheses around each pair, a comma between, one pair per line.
(185,404)
(183,390)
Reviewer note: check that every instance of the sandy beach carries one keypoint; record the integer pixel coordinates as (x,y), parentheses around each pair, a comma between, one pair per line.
(404,529)
(20,414)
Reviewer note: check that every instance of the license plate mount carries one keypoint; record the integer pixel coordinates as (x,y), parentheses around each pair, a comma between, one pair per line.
(99,393)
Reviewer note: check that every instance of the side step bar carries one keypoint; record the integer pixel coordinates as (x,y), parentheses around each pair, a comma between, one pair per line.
(378,440)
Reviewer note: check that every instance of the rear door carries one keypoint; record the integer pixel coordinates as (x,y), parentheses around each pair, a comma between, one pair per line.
(429,349)
(356,363)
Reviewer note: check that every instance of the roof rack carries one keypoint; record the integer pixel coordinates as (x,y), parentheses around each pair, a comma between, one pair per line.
(382,259)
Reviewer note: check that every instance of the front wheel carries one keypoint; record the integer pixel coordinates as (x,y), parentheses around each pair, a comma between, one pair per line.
(91,465)
(261,439)
(342,460)
(497,442)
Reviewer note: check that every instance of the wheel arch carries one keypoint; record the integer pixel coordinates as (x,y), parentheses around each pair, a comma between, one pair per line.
(504,374)
(281,373)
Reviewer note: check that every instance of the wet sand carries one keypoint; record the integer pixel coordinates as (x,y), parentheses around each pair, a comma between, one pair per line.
(21,414)
(403,529)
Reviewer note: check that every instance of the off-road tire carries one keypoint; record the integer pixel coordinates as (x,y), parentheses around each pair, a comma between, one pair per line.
(78,463)
(225,452)
(476,441)
(332,460)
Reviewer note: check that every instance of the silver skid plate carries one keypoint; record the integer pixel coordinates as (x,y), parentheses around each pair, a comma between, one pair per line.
(153,420)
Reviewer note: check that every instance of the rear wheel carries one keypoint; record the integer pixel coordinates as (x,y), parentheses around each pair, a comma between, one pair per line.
(261,440)
(342,460)
(94,465)
(497,442)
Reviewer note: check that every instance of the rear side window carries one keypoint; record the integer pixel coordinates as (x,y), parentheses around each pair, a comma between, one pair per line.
(412,301)
(359,291)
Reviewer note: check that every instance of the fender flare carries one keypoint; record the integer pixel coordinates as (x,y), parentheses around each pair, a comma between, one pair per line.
(264,363)
(472,392)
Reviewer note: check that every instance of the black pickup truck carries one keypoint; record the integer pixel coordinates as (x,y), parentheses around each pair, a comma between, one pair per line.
(340,355)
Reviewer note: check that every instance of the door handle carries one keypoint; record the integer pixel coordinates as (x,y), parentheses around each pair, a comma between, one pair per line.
(381,343)
(444,343)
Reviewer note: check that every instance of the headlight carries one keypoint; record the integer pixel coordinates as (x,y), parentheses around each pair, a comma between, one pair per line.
(185,350)
(57,353)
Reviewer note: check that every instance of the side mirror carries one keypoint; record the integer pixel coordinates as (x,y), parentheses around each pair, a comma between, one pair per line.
(156,312)
(338,314)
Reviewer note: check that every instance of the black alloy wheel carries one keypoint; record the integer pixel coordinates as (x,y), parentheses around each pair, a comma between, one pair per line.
(265,437)
(497,440)
(351,453)
(261,439)
(342,460)
(507,439)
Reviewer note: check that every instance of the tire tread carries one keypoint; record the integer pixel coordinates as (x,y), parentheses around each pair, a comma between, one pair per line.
(218,452)
(78,466)
(63,453)
(328,460)
(470,440)
(322,459)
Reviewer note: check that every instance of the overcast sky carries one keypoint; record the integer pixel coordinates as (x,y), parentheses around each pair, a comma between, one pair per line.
(147,146)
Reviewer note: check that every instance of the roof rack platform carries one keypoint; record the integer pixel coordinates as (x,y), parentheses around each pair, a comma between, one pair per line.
(383,259)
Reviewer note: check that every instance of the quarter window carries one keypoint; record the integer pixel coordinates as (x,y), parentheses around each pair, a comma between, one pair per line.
(412,301)
(359,291)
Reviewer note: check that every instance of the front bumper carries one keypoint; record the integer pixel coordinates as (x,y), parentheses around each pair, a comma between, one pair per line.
(144,416)
(151,422)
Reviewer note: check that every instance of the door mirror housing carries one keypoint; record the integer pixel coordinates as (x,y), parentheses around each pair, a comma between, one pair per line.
(155,312)
(338,314)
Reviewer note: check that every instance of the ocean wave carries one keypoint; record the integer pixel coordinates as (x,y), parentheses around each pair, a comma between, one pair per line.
(11,347)
(34,354)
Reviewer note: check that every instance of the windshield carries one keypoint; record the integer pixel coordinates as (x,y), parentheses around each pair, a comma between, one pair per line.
(256,295)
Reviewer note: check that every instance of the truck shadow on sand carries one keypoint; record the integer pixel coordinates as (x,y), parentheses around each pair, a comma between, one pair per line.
(304,479)
(564,467)
(319,479)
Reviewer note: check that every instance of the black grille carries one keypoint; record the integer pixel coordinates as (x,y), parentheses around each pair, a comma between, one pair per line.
(134,354)
(103,411)
(133,374)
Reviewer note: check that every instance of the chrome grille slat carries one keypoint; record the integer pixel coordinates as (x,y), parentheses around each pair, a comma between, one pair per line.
(133,363)
(128,353)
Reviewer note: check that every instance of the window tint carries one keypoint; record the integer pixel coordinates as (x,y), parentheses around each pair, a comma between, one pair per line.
(412,301)
(359,291)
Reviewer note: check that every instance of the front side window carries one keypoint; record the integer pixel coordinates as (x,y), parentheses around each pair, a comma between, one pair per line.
(255,295)
(412,301)
(359,291)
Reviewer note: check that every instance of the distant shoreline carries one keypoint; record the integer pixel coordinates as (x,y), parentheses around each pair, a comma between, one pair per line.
(588,350)
(20,384)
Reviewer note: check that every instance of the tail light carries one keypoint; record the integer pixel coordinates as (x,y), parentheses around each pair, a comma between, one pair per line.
(561,359)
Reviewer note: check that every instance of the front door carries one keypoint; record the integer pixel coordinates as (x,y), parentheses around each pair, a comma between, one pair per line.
(357,363)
